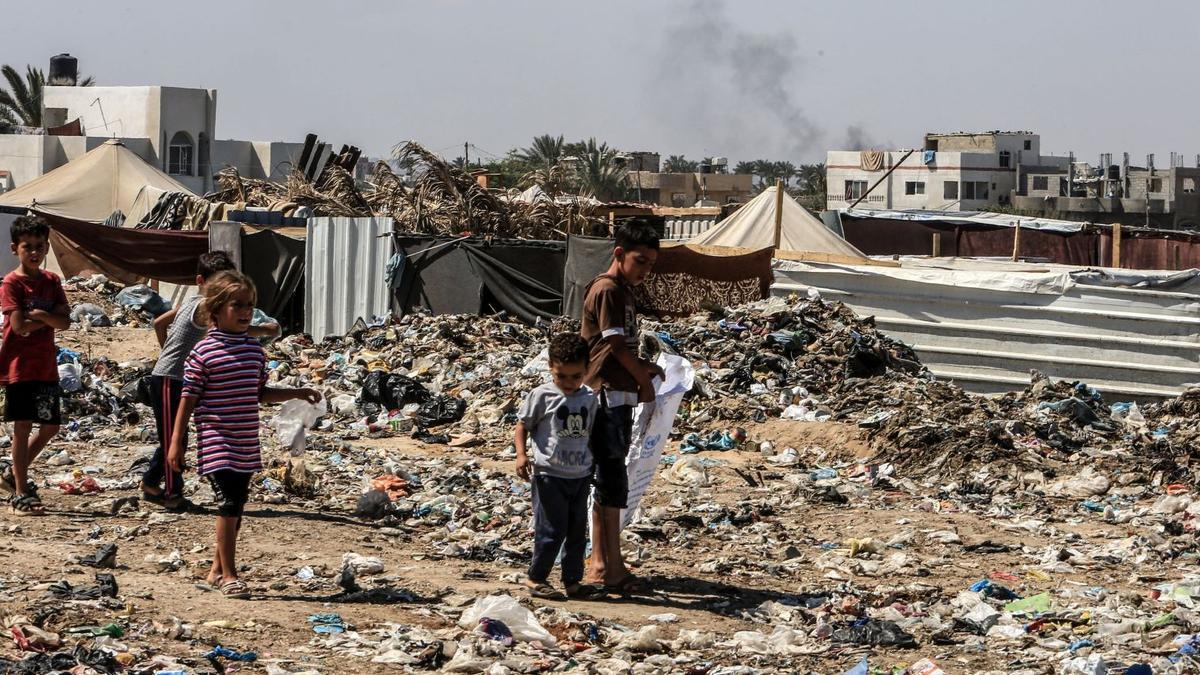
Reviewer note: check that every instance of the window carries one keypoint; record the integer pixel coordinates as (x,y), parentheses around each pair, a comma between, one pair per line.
(950,190)
(1189,185)
(679,199)
(855,189)
(1005,159)
(914,187)
(1156,185)
(1041,183)
(974,189)
(179,155)
(1028,145)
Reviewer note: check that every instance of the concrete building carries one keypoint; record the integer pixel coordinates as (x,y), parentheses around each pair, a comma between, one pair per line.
(950,172)
(1113,193)
(691,189)
(173,128)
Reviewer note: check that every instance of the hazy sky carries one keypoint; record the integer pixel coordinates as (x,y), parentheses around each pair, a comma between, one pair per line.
(779,80)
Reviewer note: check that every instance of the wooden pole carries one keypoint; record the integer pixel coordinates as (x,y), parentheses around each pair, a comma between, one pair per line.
(1116,246)
(778,211)
(882,178)
(1016,256)
(937,244)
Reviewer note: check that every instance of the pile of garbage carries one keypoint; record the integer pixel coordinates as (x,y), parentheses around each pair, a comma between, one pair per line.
(459,379)
(98,302)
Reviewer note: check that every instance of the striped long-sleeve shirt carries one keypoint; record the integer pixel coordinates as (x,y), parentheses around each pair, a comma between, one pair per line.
(225,373)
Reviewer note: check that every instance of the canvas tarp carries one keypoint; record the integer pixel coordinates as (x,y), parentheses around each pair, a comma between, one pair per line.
(986,218)
(124,254)
(753,227)
(90,188)
(682,282)
(474,276)
(275,263)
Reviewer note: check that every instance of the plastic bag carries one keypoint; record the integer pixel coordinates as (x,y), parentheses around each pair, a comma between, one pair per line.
(441,410)
(392,391)
(645,639)
(141,296)
(92,315)
(70,377)
(687,472)
(520,621)
(294,417)
(875,633)
(362,564)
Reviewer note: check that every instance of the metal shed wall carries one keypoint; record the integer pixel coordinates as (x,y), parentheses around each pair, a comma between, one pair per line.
(345,273)
(1130,343)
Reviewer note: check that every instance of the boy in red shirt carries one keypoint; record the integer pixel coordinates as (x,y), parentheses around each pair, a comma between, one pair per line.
(34,306)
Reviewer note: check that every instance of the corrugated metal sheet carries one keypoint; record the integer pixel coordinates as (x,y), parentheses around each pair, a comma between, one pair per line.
(345,273)
(1130,343)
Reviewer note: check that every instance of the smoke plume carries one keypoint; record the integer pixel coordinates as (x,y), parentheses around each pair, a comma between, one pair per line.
(735,91)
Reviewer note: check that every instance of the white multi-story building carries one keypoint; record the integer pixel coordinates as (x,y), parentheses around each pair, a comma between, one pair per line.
(952,172)
(173,128)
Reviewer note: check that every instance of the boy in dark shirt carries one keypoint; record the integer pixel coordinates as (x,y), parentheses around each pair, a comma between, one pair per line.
(610,326)
(34,306)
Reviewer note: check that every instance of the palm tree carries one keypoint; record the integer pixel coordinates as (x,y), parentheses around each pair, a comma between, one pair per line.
(22,102)
(545,153)
(680,164)
(543,162)
(599,174)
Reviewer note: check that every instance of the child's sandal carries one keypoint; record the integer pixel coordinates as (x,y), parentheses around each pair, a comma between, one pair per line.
(235,589)
(27,505)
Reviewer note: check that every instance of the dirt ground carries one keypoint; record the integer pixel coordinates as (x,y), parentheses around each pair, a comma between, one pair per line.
(705,577)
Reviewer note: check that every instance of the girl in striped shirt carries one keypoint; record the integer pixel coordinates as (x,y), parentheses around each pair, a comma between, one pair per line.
(224,382)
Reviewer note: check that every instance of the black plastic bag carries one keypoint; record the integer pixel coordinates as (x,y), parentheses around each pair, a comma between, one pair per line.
(441,410)
(875,633)
(105,556)
(372,505)
(392,391)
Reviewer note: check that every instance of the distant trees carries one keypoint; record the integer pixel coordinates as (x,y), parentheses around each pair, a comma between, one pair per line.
(680,164)
(21,101)
(805,182)
(590,167)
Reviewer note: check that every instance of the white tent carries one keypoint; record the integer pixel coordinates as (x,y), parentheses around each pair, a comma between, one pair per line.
(753,227)
(90,188)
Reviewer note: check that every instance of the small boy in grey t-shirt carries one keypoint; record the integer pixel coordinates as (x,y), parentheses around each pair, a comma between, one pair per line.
(556,420)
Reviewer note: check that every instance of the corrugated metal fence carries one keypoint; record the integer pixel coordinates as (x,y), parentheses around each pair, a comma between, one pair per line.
(345,267)
(1130,343)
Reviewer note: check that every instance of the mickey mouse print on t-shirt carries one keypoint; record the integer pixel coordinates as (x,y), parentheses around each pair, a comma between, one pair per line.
(571,424)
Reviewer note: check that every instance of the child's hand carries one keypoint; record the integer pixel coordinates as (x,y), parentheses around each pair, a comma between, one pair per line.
(310,395)
(175,457)
(523,467)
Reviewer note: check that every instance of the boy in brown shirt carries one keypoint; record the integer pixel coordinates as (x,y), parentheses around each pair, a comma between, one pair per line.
(610,326)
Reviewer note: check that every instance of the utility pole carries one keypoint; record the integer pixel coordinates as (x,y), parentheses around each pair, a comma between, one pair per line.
(639,178)
(466,155)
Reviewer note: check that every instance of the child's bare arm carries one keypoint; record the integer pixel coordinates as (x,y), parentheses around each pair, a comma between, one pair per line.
(162,325)
(23,323)
(522,455)
(641,371)
(187,405)
(52,319)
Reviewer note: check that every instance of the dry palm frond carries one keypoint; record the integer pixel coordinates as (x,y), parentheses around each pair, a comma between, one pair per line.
(439,199)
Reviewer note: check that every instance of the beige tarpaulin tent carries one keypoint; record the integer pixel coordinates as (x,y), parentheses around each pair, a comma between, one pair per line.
(90,188)
(753,227)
